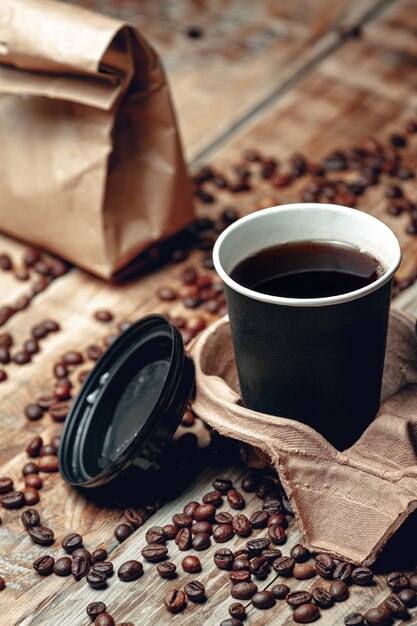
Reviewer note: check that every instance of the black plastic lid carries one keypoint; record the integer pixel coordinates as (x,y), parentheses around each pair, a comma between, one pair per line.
(129,406)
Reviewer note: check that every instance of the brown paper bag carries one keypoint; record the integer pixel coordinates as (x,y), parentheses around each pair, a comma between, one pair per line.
(91,166)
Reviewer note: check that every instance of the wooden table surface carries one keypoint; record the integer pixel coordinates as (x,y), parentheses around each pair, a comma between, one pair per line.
(271,75)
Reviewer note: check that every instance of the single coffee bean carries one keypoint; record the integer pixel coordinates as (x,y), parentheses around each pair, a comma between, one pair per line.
(322,597)
(44,565)
(95,608)
(190,508)
(33,412)
(223,517)
(243,591)
(62,566)
(222,484)
(204,512)
(222,533)
(34,481)
(343,571)
(166,569)
(379,616)
(277,519)
(213,497)
(30,518)
(6,484)
(242,576)
(104,619)
(174,600)
(122,532)
(42,535)
(155,535)
(242,552)
(324,565)
(306,613)
(260,567)
(181,521)
(277,534)
(362,576)
(250,483)
(102,315)
(59,410)
(73,358)
(354,619)
(241,525)
(80,567)
(232,621)
(299,553)
(31,496)
(191,564)
(99,555)
(195,591)
(397,581)
(33,447)
(22,357)
(96,580)
(272,506)
(237,610)
(183,539)
(31,346)
(170,531)
(13,500)
(297,598)
(284,566)
(271,554)
(235,499)
(200,541)
(255,546)
(201,527)
(303,571)
(48,464)
(82,552)
(130,570)
(104,567)
(280,591)
(154,552)
(45,401)
(223,558)
(339,590)
(263,599)
(396,607)
(240,563)
(4,355)
(71,542)
(409,597)
(47,450)
(259,519)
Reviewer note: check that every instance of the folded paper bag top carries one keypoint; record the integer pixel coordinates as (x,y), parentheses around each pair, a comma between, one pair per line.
(91,166)
(346,503)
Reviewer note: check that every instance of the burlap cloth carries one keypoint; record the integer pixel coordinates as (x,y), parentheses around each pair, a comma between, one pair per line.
(346,503)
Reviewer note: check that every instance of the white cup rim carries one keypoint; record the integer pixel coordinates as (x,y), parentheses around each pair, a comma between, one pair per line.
(306,302)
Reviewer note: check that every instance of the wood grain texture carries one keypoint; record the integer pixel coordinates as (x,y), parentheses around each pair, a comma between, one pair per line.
(331,107)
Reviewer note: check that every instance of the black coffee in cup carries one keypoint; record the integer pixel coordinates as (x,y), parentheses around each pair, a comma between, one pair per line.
(307,269)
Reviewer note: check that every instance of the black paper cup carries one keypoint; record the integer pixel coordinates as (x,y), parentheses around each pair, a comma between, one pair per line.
(318,360)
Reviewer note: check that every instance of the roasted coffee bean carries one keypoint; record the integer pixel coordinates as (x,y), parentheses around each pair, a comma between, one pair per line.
(242,552)
(297,598)
(362,576)
(306,613)
(232,621)
(71,542)
(44,565)
(96,608)
(167,569)
(277,519)
(33,448)
(60,370)
(299,553)
(62,566)
(396,606)
(122,532)
(379,616)
(59,410)
(284,566)
(322,597)
(5,262)
(181,521)
(104,567)
(4,355)
(213,497)
(235,499)
(201,527)
(222,484)
(31,496)
(271,554)
(237,610)
(242,576)
(62,390)
(45,401)
(155,534)
(42,535)
(30,518)
(6,484)
(82,552)
(303,571)
(223,517)
(397,581)
(409,597)
(241,525)
(354,619)
(22,357)
(170,531)
(103,315)
(34,481)
(204,512)
(190,507)
(48,464)
(96,580)
(343,571)
(73,358)
(130,570)
(200,541)
(6,340)
(223,558)
(191,564)
(195,591)
(47,450)
(33,412)
(222,533)
(80,567)
(324,565)
(255,546)
(260,567)
(259,519)
(240,563)
(280,591)
(250,483)
(174,600)
(272,506)
(134,517)
(154,552)
(13,500)
(94,352)
(277,534)
(243,591)
(104,619)
(99,555)
(31,346)
(263,599)
(183,539)
(339,590)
